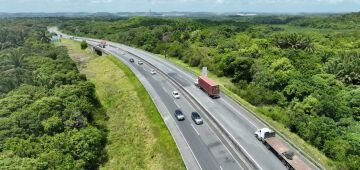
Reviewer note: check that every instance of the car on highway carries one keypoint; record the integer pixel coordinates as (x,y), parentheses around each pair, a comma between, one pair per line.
(179,115)
(176,94)
(153,71)
(131,60)
(140,62)
(196,82)
(196,118)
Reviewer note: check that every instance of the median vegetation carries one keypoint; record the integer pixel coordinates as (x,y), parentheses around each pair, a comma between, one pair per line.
(301,73)
(137,136)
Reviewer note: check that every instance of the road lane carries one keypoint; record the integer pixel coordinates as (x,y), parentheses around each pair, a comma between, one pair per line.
(238,121)
(207,147)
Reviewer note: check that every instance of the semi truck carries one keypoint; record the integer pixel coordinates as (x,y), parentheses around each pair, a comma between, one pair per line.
(102,44)
(209,86)
(286,156)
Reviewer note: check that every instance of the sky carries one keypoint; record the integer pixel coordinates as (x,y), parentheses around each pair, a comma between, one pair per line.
(218,6)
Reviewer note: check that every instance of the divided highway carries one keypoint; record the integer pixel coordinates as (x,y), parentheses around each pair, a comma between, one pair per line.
(208,146)
(209,151)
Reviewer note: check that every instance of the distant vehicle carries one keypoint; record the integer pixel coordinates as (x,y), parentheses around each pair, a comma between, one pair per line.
(196,118)
(140,62)
(179,115)
(196,82)
(102,44)
(153,71)
(71,37)
(176,94)
(287,157)
(131,60)
(209,86)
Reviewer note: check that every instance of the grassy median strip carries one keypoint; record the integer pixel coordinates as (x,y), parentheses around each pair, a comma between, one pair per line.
(226,85)
(137,138)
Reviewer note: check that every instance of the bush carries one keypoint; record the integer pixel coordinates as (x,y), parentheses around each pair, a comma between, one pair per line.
(257,95)
(83,45)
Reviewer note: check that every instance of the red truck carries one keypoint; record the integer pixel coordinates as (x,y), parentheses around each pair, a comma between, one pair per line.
(209,86)
(287,157)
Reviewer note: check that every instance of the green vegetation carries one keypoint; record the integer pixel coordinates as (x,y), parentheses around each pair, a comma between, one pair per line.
(138,138)
(83,45)
(301,72)
(47,107)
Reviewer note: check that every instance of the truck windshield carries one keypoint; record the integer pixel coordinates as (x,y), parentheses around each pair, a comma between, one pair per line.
(269,134)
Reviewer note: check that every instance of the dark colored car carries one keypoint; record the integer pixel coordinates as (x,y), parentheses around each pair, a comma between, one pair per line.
(196,118)
(131,60)
(179,114)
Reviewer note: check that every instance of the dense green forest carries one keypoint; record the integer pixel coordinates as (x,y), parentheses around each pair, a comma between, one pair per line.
(46,105)
(302,71)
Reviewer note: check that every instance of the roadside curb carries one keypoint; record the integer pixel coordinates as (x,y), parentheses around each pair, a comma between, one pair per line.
(181,143)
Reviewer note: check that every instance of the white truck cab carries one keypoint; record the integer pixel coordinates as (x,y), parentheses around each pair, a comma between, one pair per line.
(262,134)
(196,82)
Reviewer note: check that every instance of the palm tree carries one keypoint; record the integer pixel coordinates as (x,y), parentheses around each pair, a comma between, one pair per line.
(41,35)
(15,66)
(16,58)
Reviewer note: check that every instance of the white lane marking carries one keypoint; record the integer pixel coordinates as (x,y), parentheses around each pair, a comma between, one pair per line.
(187,75)
(236,111)
(221,168)
(195,129)
(224,145)
(209,129)
(232,137)
(188,145)
(235,141)
(177,105)
(247,153)
(180,133)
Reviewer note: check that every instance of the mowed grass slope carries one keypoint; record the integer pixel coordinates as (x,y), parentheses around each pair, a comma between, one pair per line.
(137,137)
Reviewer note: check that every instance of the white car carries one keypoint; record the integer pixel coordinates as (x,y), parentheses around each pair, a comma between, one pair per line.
(140,62)
(153,71)
(196,82)
(176,94)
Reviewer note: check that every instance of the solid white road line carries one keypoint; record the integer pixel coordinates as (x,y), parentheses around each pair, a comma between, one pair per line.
(183,138)
(236,111)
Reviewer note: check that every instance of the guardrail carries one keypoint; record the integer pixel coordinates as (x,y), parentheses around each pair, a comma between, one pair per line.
(284,137)
(198,105)
(218,124)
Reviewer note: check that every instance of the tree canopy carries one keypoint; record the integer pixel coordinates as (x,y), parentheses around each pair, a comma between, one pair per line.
(304,67)
(46,105)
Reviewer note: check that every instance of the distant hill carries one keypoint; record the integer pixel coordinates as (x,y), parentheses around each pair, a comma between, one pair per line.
(159,14)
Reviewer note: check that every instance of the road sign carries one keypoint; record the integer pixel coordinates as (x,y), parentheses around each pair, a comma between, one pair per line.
(204,71)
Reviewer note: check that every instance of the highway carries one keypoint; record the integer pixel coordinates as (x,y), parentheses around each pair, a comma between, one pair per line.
(209,148)
(234,119)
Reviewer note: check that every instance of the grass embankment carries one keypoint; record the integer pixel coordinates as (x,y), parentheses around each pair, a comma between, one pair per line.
(137,138)
(226,84)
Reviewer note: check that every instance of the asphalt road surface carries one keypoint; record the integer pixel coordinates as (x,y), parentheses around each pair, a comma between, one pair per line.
(234,118)
(210,151)
(206,146)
